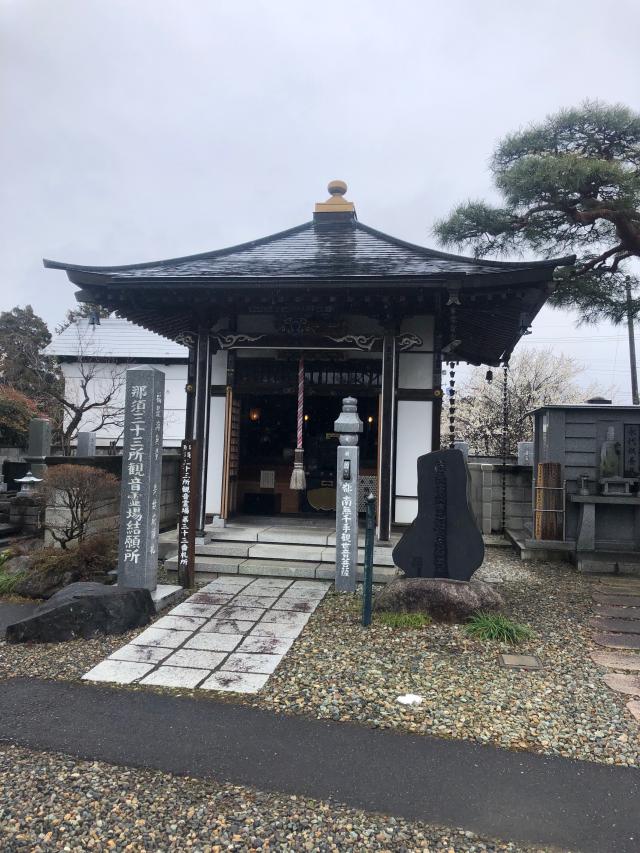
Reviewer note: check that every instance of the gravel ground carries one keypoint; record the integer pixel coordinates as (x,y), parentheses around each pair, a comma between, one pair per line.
(338,670)
(52,802)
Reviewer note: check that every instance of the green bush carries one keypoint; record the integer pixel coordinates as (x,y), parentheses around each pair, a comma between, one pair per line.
(4,556)
(493,626)
(404,620)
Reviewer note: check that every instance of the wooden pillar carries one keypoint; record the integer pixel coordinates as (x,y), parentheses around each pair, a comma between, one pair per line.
(387,434)
(200,423)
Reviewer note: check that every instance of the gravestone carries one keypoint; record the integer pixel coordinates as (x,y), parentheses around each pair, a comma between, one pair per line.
(39,445)
(141,478)
(86,444)
(444,540)
(347,426)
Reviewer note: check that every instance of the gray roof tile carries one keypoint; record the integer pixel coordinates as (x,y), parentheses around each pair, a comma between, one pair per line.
(346,249)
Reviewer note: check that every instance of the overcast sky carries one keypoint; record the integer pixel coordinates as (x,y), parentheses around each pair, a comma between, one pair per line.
(134,130)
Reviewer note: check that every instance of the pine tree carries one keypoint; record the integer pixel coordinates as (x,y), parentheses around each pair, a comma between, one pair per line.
(569,184)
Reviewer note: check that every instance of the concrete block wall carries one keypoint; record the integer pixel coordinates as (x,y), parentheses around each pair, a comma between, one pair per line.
(27,513)
(486,494)
(107,517)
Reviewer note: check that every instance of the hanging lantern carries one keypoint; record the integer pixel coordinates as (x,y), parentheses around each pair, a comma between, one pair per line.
(489,376)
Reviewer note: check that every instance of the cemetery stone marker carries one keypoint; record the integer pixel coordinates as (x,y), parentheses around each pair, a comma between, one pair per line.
(39,445)
(141,478)
(86,444)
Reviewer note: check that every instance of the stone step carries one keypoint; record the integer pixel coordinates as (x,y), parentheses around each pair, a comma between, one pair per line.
(616,626)
(617,660)
(382,556)
(629,684)
(205,564)
(610,610)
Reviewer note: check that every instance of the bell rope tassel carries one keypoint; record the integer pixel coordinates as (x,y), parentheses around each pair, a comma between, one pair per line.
(298,480)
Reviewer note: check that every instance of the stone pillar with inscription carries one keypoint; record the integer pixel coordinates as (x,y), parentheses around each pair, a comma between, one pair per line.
(348,426)
(86,444)
(141,478)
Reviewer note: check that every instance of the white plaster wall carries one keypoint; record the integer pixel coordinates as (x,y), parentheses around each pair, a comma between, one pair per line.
(413,417)
(413,436)
(415,370)
(174,397)
(219,368)
(215,464)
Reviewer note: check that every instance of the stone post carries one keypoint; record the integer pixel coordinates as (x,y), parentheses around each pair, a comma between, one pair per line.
(141,478)
(347,426)
(86,444)
(39,445)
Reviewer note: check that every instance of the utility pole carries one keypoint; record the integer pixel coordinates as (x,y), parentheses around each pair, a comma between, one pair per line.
(635,399)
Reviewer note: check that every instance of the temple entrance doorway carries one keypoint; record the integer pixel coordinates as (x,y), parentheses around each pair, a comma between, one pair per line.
(265,432)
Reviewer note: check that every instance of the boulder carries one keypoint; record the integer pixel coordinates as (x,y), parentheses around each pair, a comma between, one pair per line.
(84,610)
(16,565)
(443,599)
(44,584)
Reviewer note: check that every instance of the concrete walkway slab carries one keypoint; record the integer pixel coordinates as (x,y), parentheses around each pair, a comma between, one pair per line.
(198,638)
(525,797)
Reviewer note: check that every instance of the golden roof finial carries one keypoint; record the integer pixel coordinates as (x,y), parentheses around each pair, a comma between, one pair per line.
(336,203)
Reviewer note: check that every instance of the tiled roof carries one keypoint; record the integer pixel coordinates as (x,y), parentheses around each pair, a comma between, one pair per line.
(346,249)
(113,338)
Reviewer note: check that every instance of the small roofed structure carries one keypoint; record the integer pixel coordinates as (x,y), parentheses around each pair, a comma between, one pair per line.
(338,292)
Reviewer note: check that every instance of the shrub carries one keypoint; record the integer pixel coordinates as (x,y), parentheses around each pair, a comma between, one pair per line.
(95,555)
(404,620)
(492,626)
(77,492)
(52,568)
(16,411)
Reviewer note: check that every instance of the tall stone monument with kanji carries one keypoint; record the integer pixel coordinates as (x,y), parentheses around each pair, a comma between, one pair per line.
(141,478)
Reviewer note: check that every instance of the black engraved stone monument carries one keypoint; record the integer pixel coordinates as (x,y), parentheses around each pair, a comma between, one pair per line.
(444,540)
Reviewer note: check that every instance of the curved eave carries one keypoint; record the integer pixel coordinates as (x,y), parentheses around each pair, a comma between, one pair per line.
(500,278)
(485,262)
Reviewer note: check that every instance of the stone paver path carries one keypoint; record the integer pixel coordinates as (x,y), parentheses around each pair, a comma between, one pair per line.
(617,623)
(230,635)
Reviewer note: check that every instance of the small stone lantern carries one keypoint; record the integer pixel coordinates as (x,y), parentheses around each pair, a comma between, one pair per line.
(348,426)
(28,483)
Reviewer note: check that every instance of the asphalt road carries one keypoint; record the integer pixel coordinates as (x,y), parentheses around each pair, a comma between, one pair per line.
(515,796)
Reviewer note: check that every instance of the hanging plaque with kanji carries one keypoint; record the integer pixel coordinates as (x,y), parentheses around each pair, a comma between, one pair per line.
(186,520)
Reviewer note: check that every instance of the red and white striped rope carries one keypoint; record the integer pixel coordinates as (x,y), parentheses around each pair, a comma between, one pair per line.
(300,402)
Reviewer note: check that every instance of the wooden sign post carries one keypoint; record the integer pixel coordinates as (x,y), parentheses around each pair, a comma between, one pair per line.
(187,517)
